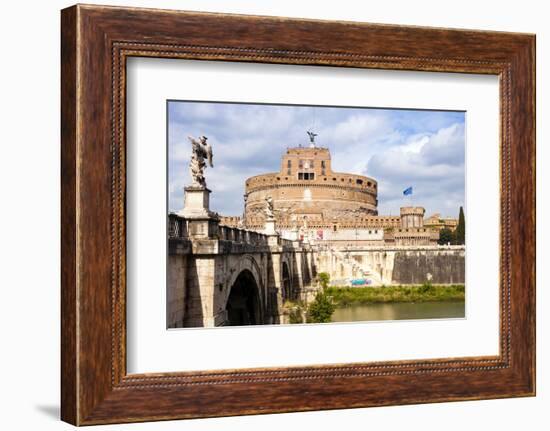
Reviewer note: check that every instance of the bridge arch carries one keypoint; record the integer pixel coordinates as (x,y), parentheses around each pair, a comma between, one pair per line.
(244,303)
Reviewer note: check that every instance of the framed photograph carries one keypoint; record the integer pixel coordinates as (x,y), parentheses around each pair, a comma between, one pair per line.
(264,214)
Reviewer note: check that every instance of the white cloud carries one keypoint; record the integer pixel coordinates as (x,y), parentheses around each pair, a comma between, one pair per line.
(432,164)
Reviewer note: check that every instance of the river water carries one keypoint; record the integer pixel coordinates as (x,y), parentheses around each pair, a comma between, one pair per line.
(399,311)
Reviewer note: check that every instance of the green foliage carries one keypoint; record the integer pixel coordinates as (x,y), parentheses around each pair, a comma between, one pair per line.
(294,311)
(295,316)
(344,296)
(321,309)
(446,236)
(324,279)
(461,228)
(426,289)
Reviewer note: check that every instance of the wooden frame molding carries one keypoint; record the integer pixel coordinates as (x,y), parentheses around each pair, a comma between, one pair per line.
(95,43)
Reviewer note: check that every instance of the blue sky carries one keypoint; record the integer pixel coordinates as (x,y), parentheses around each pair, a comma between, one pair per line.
(398,148)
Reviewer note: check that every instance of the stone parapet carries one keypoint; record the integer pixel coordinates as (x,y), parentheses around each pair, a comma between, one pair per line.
(230,240)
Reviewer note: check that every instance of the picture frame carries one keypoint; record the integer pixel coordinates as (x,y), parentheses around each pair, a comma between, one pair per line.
(96,41)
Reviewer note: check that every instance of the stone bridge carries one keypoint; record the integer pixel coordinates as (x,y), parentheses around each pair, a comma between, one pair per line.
(218,275)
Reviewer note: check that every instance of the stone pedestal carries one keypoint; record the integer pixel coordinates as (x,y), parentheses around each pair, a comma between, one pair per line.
(269,230)
(196,202)
(270,227)
(273,240)
(201,222)
(293,236)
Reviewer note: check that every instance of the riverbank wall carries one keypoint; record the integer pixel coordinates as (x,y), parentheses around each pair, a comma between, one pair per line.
(395,265)
(437,266)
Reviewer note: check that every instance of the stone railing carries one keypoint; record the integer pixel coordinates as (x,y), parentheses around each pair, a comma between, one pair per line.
(177,226)
(177,229)
(234,234)
(286,242)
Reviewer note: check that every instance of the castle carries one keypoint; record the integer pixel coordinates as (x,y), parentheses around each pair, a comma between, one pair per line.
(312,202)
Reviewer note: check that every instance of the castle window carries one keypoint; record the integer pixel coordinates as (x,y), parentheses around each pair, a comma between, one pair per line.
(334,179)
(369,184)
(278,178)
(306,176)
(288,164)
(334,228)
(323,164)
(359,182)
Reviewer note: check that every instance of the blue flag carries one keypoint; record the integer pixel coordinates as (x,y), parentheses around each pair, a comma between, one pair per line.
(408,191)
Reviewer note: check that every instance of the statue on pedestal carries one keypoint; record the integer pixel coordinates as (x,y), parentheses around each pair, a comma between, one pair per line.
(269,210)
(201,151)
(312,136)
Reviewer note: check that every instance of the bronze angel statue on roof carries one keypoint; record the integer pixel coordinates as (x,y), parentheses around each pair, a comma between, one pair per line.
(201,151)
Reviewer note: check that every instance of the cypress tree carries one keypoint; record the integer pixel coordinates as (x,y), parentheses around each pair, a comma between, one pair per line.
(461,228)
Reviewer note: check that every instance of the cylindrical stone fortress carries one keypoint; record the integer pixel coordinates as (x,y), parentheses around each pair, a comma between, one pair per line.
(306,187)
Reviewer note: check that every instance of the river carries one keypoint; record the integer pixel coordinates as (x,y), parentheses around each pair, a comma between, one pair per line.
(399,311)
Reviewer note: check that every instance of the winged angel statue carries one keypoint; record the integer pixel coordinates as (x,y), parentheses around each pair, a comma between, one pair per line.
(201,151)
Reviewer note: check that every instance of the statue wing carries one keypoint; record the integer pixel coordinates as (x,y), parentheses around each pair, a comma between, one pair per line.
(209,155)
(194,143)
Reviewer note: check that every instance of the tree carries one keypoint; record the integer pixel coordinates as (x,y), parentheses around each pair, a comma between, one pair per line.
(460,232)
(446,236)
(324,279)
(321,309)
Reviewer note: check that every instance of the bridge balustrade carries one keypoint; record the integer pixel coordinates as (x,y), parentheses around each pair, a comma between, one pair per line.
(177,226)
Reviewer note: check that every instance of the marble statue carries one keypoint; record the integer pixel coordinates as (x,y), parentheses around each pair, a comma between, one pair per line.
(201,152)
(269,210)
